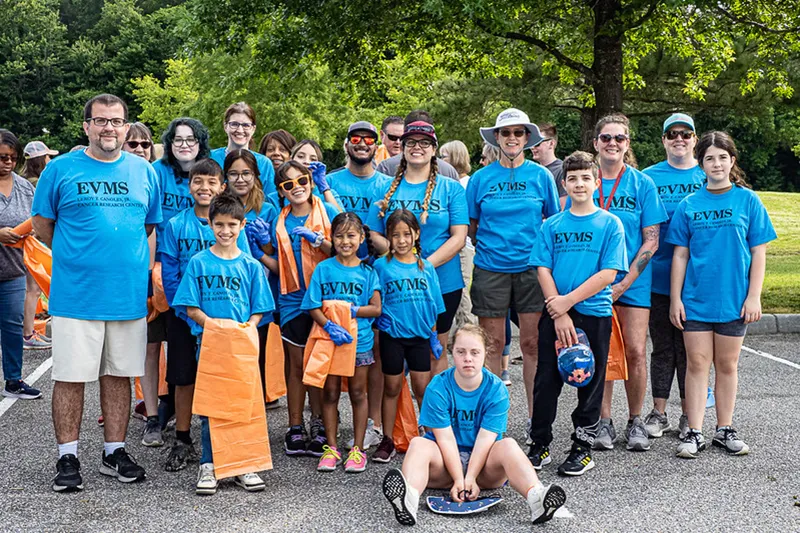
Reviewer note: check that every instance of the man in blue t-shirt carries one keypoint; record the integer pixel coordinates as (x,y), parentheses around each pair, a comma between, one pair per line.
(95,209)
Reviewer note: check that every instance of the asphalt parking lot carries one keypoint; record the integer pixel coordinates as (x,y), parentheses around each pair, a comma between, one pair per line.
(652,491)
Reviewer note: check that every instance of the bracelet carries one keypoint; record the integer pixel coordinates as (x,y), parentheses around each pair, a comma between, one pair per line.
(318,240)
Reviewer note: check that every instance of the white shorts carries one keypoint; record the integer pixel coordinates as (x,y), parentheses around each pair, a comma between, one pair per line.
(85,350)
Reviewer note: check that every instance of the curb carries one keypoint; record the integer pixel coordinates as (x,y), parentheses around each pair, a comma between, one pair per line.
(773,324)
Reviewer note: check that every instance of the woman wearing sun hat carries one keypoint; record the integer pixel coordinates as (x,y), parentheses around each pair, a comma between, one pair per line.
(508,199)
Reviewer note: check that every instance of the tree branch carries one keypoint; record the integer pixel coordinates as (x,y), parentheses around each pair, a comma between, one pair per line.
(761,26)
(650,11)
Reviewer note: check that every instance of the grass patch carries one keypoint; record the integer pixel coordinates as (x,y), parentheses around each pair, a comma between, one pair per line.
(782,283)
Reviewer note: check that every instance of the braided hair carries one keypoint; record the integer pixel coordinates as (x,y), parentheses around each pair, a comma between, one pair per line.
(349,219)
(406,217)
(401,170)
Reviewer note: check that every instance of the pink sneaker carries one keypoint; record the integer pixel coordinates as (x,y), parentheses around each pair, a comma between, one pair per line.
(356,461)
(331,458)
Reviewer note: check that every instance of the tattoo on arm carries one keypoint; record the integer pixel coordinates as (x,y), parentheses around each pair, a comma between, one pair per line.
(644,259)
(650,233)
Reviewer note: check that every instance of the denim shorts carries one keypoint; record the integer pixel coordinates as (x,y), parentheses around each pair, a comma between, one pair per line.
(734,328)
(365,358)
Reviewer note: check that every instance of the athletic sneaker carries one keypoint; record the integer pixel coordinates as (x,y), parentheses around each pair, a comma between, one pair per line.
(295,442)
(579,461)
(101,421)
(274,404)
(403,497)
(21,390)
(606,435)
(385,450)
(206,480)
(372,437)
(528,440)
(727,439)
(545,501)
(180,455)
(251,482)
(539,456)
(505,377)
(122,466)
(68,474)
(36,342)
(636,435)
(140,411)
(691,445)
(331,458)
(656,424)
(151,436)
(317,440)
(356,461)
(683,427)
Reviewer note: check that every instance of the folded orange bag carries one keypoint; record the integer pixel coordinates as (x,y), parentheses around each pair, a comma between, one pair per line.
(321,356)
(275,378)
(38,260)
(405,424)
(617,367)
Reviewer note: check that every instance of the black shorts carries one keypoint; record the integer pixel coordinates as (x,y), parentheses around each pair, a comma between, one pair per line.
(631,306)
(181,351)
(451,302)
(297,330)
(494,293)
(157,329)
(415,351)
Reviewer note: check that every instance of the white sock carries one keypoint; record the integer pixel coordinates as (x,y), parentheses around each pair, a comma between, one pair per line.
(111,447)
(67,448)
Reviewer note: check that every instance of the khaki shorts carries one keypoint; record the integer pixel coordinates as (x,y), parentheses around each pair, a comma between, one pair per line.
(494,293)
(85,350)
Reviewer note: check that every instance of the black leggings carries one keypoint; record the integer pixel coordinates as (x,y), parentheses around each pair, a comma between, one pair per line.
(669,353)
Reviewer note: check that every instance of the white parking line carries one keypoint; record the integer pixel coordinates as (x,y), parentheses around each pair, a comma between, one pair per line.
(6,404)
(770,356)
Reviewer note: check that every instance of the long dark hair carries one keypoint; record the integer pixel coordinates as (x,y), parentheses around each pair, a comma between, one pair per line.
(723,141)
(200,133)
(33,167)
(255,198)
(349,219)
(407,217)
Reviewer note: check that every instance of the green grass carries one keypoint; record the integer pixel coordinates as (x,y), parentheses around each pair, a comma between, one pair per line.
(782,283)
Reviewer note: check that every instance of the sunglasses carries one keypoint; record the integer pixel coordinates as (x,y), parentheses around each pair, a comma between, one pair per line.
(683,134)
(288,185)
(356,139)
(393,138)
(133,145)
(619,137)
(515,133)
(5,158)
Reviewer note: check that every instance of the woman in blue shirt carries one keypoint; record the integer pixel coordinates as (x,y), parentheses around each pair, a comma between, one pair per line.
(720,235)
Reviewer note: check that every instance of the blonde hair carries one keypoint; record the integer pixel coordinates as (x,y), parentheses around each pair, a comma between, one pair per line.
(477,331)
(401,170)
(459,156)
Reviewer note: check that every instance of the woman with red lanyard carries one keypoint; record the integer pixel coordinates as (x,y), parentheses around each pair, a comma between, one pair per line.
(632,196)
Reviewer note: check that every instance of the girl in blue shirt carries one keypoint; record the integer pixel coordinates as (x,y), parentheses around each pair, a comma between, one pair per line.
(345,277)
(440,205)
(720,235)
(412,301)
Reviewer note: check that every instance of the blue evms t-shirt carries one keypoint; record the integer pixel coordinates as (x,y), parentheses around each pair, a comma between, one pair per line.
(265,168)
(719,230)
(411,297)
(509,207)
(673,185)
(575,248)
(332,280)
(100,251)
(447,207)
(448,405)
(356,194)
(223,288)
(175,196)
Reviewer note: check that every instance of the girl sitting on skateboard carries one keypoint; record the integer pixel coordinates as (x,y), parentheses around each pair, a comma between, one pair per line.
(466,411)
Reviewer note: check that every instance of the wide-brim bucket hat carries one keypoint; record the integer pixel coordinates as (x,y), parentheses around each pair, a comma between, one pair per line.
(512,117)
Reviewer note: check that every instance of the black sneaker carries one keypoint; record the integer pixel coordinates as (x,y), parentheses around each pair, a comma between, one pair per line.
(385,450)
(539,456)
(180,455)
(296,441)
(68,474)
(317,439)
(578,462)
(121,466)
(21,390)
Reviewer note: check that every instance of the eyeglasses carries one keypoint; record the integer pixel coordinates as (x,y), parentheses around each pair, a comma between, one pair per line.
(422,143)
(188,141)
(244,176)
(133,145)
(5,158)
(619,137)
(356,139)
(288,185)
(683,134)
(246,126)
(102,122)
(515,133)
(393,138)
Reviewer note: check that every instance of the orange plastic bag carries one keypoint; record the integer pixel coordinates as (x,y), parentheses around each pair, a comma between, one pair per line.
(405,424)
(157,303)
(38,260)
(225,377)
(275,379)
(617,367)
(322,357)
(163,388)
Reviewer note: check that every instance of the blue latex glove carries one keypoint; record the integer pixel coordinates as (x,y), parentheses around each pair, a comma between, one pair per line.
(318,175)
(313,237)
(383,322)
(255,249)
(436,346)
(354,310)
(338,334)
(260,230)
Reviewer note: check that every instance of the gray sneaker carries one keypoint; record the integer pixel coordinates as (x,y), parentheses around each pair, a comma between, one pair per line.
(727,439)
(505,377)
(683,427)
(606,435)
(152,434)
(636,435)
(656,424)
(528,440)
(691,445)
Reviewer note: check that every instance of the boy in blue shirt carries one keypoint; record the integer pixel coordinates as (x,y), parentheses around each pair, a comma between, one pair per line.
(578,254)
(223,282)
(466,408)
